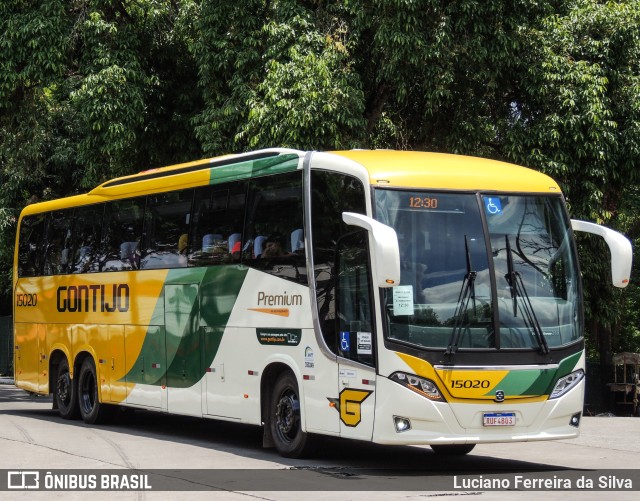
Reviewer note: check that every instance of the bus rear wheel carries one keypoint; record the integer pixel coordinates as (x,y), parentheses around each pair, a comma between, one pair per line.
(91,410)
(285,420)
(66,392)
(453,449)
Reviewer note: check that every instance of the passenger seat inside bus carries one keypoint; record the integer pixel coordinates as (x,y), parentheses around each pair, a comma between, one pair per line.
(258,246)
(297,241)
(209,241)
(234,240)
(129,254)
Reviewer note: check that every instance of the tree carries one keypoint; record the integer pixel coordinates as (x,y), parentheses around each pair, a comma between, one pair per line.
(276,73)
(89,90)
(575,115)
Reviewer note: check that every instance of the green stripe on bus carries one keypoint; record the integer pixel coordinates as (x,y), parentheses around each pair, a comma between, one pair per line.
(197,304)
(535,382)
(254,168)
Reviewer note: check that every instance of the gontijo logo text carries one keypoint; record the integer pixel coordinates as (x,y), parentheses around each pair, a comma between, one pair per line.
(93,298)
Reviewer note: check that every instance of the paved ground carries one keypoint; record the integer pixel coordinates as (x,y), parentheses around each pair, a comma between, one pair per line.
(192,453)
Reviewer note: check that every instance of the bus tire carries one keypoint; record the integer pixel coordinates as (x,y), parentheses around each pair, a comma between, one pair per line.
(285,421)
(91,410)
(66,392)
(453,449)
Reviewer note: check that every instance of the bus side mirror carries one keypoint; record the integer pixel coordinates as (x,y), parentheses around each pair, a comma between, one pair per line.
(385,251)
(619,246)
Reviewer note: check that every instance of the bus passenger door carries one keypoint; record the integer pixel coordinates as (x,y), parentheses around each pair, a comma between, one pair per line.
(356,338)
(181,312)
(356,401)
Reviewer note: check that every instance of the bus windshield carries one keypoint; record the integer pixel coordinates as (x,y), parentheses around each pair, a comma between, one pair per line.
(514,285)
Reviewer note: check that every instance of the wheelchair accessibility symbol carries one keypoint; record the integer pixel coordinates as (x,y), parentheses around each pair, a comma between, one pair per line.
(493,205)
(345,345)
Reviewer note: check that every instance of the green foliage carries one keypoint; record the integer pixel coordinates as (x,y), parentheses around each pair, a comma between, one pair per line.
(32,46)
(310,96)
(575,116)
(441,73)
(89,90)
(228,54)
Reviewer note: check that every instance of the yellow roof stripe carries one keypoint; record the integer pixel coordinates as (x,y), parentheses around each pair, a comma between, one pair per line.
(414,169)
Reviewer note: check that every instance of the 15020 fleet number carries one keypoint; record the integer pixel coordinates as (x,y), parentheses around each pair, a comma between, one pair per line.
(26,299)
(470,383)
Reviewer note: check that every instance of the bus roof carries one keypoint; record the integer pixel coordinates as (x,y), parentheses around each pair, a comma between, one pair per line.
(403,169)
(446,171)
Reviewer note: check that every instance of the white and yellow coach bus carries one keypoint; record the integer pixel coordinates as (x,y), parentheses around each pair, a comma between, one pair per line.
(396,297)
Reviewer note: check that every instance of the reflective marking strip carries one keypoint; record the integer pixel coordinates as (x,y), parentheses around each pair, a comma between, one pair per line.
(155,366)
(252,373)
(309,378)
(368,382)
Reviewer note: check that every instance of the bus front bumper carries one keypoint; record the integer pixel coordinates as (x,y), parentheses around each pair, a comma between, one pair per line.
(459,423)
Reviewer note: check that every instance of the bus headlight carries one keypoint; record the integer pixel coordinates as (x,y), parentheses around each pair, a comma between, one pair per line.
(564,384)
(422,386)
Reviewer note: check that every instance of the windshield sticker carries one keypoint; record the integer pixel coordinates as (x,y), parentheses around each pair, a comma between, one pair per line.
(403,300)
(345,344)
(364,343)
(493,205)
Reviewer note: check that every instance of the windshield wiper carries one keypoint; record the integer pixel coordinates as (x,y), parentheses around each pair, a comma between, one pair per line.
(516,284)
(467,293)
(511,277)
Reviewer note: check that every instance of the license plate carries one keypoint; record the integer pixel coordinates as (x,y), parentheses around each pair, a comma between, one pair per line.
(499,419)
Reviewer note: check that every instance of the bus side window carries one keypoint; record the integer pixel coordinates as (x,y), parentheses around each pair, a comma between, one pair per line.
(88,222)
(166,224)
(353,298)
(31,245)
(218,217)
(332,194)
(275,239)
(58,242)
(122,231)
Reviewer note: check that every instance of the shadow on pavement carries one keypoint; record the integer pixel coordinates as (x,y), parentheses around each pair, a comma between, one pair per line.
(245,440)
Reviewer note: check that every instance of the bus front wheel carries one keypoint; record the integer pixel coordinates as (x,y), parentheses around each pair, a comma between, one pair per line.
(91,410)
(285,420)
(66,392)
